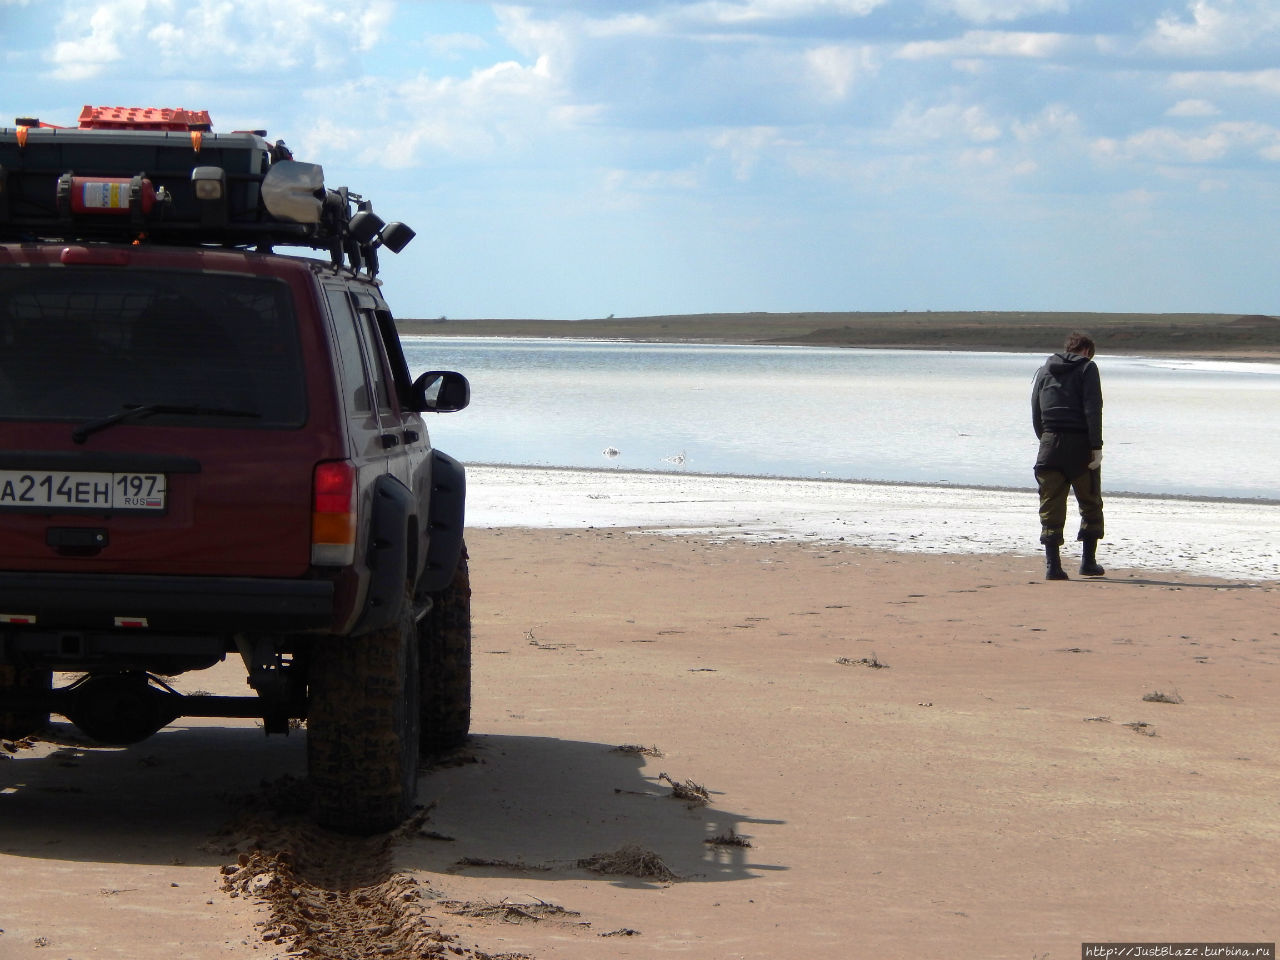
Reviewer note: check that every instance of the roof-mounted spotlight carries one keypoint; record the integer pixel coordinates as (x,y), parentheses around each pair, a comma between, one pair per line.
(365,227)
(210,187)
(209,183)
(369,229)
(396,236)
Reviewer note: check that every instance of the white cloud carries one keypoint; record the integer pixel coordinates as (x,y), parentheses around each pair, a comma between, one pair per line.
(1217,142)
(744,145)
(494,111)
(454,44)
(984,157)
(241,35)
(835,68)
(988,43)
(99,41)
(1214,27)
(739,12)
(985,11)
(950,122)
(1055,120)
(1193,108)
(673,19)
(624,182)
(1265,81)
(535,37)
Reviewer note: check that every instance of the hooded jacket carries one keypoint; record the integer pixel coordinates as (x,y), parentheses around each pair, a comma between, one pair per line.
(1066,397)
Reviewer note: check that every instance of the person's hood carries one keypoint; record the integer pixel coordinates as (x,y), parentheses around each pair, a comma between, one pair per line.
(1063,363)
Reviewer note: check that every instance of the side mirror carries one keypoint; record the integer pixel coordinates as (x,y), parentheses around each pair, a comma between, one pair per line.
(440,391)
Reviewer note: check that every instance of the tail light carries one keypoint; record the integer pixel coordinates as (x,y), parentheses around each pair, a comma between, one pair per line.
(333,514)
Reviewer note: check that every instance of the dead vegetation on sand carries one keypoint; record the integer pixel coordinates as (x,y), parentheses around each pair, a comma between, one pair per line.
(872,661)
(730,838)
(630,860)
(506,911)
(637,750)
(688,791)
(501,864)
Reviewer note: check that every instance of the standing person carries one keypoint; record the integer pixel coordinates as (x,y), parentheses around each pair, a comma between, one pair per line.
(1066,411)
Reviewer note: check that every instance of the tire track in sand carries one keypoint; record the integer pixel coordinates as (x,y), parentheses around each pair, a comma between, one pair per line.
(329,896)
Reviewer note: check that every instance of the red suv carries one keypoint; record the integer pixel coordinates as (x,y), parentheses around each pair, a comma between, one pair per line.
(210,448)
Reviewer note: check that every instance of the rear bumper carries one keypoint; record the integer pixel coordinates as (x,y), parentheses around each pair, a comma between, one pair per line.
(197,605)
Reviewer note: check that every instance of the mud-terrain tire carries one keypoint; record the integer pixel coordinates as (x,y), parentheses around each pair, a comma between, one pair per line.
(16,724)
(444,649)
(362,727)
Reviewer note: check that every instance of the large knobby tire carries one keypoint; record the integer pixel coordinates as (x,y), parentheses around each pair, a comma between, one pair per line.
(444,648)
(16,724)
(362,727)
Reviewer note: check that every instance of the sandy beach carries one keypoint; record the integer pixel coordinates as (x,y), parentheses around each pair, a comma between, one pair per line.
(790,745)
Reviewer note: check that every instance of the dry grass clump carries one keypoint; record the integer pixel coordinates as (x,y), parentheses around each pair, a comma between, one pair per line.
(498,863)
(729,838)
(688,791)
(638,750)
(630,860)
(1156,696)
(872,661)
(507,912)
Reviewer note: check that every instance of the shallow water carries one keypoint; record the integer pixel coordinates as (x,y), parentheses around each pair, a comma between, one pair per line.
(1172,427)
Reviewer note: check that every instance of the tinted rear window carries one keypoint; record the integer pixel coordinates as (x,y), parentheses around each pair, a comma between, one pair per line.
(77,344)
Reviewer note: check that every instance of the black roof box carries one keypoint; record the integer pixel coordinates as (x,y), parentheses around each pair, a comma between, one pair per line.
(166,178)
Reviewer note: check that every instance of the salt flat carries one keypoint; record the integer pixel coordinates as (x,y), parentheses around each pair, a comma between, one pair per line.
(1224,538)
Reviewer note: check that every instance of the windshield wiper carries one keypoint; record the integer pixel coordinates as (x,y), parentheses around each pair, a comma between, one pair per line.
(136,411)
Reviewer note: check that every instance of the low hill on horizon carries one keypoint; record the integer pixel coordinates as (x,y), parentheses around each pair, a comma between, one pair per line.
(1201,334)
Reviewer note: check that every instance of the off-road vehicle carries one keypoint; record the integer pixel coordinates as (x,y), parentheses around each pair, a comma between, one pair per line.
(210,448)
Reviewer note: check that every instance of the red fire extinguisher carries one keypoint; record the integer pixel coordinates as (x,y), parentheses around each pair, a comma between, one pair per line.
(105,195)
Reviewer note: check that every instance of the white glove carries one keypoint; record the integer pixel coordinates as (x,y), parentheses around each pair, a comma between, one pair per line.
(1096,462)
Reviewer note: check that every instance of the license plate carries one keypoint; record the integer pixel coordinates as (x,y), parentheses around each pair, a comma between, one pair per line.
(80,490)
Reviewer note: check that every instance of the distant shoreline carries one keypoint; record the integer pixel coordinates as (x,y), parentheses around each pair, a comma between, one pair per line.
(1211,336)
(977,488)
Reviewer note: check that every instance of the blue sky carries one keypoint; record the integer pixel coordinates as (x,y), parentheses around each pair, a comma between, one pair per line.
(565,158)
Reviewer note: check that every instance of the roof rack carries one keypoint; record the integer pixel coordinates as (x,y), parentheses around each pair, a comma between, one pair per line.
(160,175)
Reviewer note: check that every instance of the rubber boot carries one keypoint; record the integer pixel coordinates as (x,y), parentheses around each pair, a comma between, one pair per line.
(1089,566)
(1053,563)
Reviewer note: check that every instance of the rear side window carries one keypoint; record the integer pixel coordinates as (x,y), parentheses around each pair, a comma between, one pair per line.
(77,344)
(377,360)
(351,351)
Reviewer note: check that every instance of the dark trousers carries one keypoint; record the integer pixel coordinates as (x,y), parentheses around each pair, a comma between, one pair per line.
(1054,484)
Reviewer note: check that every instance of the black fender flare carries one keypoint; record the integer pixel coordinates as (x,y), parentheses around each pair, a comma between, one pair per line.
(387,555)
(445,518)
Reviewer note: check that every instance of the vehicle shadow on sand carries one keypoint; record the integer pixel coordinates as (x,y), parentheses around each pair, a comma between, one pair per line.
(65,798)
(498,806)
(552,809)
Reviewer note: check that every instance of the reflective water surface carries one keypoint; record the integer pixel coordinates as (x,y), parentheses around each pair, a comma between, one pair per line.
(1172,427)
